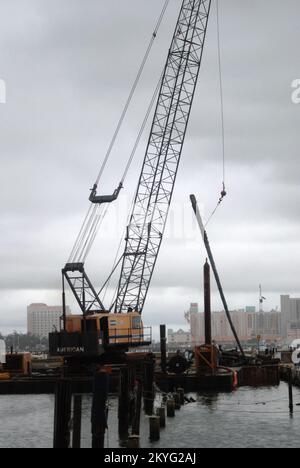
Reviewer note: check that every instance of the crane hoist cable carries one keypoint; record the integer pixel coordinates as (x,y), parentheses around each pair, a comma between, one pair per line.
(98,222)
(141,131)
(223,192)
(92,225)
(99,217)
(118,258)
(221,93)
(73,252)
(84,232)
(93,220)
(132,92)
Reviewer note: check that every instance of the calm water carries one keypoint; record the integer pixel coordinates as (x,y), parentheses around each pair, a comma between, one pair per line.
(246,418)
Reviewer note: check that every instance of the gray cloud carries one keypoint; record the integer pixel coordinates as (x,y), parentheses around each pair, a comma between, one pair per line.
(68,68)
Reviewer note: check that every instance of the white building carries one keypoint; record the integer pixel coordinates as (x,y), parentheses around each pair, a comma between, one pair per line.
(179,337)
(196,322)
(290,317)
(43,319)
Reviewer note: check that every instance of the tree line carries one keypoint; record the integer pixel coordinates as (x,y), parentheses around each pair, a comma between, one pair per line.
(20,342)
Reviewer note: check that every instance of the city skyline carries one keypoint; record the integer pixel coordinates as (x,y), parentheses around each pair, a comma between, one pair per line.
(281,325)
(171,325)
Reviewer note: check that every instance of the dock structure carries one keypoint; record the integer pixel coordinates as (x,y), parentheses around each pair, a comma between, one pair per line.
(189,381)
(137,379)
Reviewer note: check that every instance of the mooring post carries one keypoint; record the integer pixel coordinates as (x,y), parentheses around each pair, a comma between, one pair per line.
(154,422)
(171,408)
(77,414)
(291,397)
(149,385)
(181,395)
(124,403)
(99,409)
(62,414)
(137,410)
(161,413)
(163,348)
(133,442)
(177,401)
(131,396)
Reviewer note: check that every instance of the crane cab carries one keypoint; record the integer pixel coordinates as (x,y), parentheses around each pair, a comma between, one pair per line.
(95,334)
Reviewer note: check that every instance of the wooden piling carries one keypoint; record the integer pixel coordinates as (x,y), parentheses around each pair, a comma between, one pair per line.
(62,414)
(181,395)
(161,413)
(99,409)
(171,408)
(163,348)
(177,401)
(133,442)
(124,404)
(137,410)
(154,422)
(149,385)
(77,414)
(291,397)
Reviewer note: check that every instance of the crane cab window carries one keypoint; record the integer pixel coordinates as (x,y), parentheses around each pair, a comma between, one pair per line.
(136,323)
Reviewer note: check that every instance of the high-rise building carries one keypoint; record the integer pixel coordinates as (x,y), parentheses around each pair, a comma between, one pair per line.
(43,319)
(221,330)
(248,324)
(267,324)
(196,321)
(290,317)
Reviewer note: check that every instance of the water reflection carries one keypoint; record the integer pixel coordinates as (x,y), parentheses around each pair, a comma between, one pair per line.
(210,400)
(247,418)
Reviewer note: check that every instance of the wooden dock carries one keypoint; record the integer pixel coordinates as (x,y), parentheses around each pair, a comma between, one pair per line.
(190,382)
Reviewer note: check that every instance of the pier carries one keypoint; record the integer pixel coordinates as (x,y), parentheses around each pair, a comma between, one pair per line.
(190,382)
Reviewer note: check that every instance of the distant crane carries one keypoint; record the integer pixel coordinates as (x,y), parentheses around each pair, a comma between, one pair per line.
(261,299)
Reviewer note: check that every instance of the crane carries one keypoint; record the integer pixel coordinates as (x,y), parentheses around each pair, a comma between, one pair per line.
(153,197)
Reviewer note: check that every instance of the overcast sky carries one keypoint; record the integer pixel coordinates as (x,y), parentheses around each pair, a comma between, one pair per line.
(68,67)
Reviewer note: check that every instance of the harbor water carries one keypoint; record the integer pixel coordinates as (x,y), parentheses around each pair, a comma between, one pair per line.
(247,418)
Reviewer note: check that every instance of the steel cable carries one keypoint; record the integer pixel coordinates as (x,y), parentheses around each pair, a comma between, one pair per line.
(91,225)
(132,92)
(223,194)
